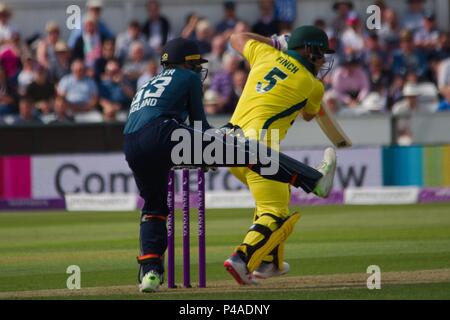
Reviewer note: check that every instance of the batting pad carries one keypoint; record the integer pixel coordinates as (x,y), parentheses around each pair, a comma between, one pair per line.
(276,239)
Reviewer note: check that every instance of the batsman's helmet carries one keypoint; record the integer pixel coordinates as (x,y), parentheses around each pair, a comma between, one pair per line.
(309,36)
(179,51)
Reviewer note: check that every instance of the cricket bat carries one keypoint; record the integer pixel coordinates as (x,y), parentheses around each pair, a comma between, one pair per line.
(332,129)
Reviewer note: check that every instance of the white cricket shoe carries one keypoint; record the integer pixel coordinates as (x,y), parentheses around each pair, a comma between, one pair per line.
(269,270)
(238,269)
(327,168)
(150,282)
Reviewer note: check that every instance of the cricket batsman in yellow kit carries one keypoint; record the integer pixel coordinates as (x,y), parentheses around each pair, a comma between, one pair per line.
(281,85)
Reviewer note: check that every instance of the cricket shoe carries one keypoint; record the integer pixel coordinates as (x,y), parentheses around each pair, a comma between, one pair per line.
(269,270)
(238,269)
(327,168)
(150,282)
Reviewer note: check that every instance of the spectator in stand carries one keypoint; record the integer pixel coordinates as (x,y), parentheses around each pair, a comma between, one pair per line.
(442,49)
(286,14)
(412,19)
(444,74)
(203,35)
(321,24)
(78,91)
(62,113)
(188,31)
(114,91)
(408,58)
(267,24)
(427,36)
(61,66)
(437,55)
(382,5)
(6,29)
(108,49)
(411,77)
(238,84)
(8,96)
(157,29)
(222,82)
(214,64)
(94,10)
(403,109)
(390,30)
(350,86)
(380,79)
(409,103)
(45,52)
(26,116)
(11,57)
(333,40)
(395,90)
(373,48)
(342,10)
(88,46)
(240,27)
(25,47)
(444,105)
(433,71)
(135,66)
(211,101)
(352,37)
(151,71)
(229,17)
(125,39)
(26,75)
(427,97)
(41,91)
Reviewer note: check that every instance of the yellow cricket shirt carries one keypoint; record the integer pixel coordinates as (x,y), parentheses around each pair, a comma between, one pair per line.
(278,87)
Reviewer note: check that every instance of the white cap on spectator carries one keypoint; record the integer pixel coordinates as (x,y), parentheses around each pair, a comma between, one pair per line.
(94,3)
(411,90)
(373,102)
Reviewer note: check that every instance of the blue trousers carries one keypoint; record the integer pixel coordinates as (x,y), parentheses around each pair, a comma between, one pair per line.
(147,152)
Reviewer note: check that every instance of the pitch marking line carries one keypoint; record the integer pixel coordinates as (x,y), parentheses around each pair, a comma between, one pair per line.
(282,284)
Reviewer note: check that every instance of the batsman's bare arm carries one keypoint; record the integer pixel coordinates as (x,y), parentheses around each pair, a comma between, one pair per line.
(238,40)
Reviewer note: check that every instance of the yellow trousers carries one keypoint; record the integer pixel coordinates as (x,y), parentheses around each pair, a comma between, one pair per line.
(271,197)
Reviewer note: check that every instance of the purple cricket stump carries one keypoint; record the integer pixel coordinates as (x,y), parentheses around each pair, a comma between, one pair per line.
(186,234)
(171,231)
(201,229)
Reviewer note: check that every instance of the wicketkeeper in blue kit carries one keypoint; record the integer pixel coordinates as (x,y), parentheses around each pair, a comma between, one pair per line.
(160,107)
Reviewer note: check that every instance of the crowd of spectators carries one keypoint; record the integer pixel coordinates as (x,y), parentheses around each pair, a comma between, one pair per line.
(384,69)
(401,67)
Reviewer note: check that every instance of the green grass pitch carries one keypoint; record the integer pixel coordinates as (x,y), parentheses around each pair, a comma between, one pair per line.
(329,253)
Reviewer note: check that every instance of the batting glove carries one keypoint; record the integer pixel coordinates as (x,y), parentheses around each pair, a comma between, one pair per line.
(280,42)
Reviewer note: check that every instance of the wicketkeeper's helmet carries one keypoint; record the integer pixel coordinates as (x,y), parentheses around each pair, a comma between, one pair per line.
(184,51)
(179,51)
